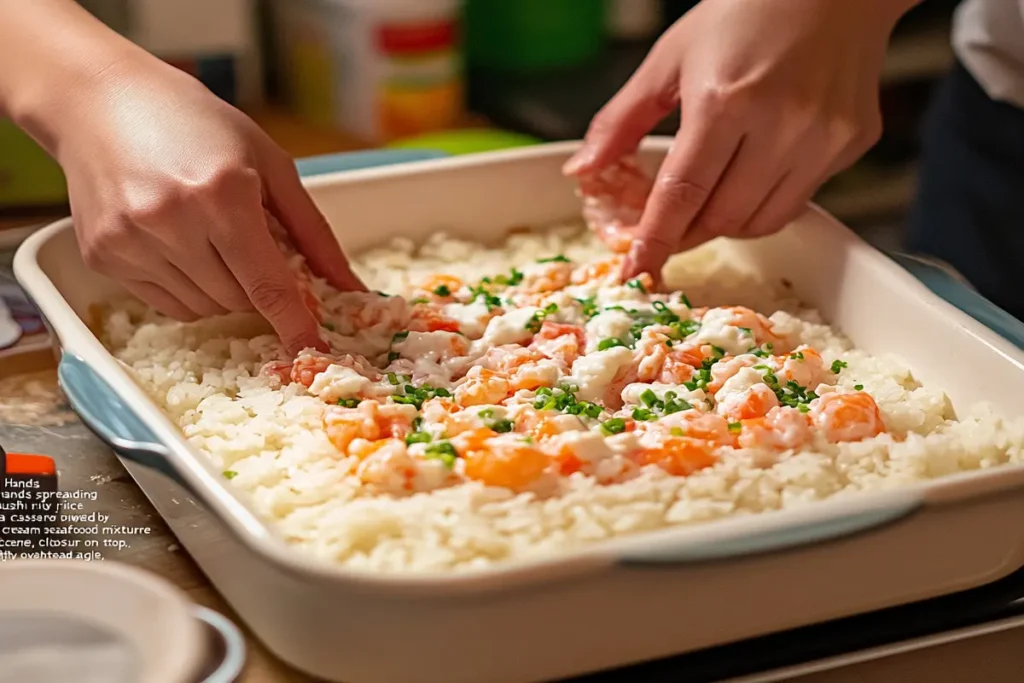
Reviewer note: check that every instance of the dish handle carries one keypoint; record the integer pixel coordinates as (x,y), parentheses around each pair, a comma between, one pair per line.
(351,161)
(945,282)
(110,419)
(772,532)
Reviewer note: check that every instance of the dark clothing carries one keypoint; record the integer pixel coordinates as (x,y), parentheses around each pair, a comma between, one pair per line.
(969,209)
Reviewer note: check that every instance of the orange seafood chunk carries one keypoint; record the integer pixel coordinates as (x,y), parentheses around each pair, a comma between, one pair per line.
(678,455)
(509,466)
(848,416)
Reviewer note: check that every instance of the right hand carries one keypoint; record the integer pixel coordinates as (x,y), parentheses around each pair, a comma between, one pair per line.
(776,96)
(171,191)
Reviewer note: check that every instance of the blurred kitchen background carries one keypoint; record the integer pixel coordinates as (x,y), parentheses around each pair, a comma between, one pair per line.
(324,76)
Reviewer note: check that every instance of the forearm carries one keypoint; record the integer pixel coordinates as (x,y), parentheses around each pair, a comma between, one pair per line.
(50,50)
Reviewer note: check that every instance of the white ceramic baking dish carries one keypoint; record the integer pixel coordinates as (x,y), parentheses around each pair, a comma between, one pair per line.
(620,602)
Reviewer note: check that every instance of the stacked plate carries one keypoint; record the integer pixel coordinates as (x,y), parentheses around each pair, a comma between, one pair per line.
(106,622)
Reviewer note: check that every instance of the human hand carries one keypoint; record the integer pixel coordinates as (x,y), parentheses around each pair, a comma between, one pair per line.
(776,96)
(172,190)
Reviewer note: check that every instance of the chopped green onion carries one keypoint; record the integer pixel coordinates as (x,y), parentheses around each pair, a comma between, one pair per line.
(589,306)
(609,343)
(399,336)
(858,387)
(637,285)
(393,356)
(417,437)
(837,365)
(615,425)
(537,319)
(797,355)
(442,290)
(419,300)
(486,413)
(649,398)
(230,474)
(555,259)
(443,451)
(644,415)
(735,427)
(502,426)
(803,408)
(348,402)
(684,300)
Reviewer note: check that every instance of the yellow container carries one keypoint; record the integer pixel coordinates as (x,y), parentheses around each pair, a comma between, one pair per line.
(379,69)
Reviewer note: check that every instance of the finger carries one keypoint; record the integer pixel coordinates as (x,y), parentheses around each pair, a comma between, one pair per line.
(787,201)
(755,171)
(651,94)
(261,269)
(172,280)
(160,299)
(308,228)
(205,267)
(702,150)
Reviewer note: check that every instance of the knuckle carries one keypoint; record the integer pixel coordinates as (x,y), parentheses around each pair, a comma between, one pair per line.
(270,296)
(681,190)
(719,222)
(718,99)
(230,178)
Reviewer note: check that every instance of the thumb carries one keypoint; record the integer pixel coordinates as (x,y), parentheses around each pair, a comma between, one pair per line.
(309,229)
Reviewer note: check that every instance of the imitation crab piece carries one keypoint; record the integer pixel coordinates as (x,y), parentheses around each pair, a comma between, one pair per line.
(613,202)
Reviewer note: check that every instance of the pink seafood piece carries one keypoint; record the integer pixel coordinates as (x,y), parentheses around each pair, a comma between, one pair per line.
(614,200)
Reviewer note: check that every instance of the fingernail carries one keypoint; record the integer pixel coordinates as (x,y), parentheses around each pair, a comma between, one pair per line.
(580,160)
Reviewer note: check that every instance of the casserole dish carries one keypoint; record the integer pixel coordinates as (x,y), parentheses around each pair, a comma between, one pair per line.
(624,601)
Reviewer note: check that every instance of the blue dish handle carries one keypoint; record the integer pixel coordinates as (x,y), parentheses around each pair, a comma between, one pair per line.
(109,418)
(958,293)
(351,161)
(114,422)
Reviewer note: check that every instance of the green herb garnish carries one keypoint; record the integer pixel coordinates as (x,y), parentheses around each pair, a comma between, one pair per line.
(442,290)
(609,343)
(348,402)
(858,387)
(837,365)
(637,285)
(684,300)
(589,306)
(735,427)
(230,474)
(555,259)
(443,451)
(615,425)
(537,319)
(502,426)
(399,336)
(644,415)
